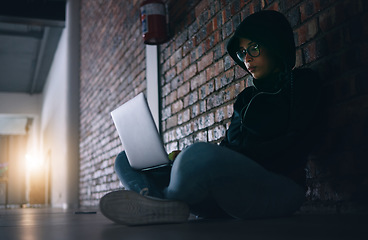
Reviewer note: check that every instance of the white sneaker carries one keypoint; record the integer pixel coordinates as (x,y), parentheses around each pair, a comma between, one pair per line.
(130,208)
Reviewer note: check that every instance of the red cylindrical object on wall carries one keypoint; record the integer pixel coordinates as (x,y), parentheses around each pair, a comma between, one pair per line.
(154,24)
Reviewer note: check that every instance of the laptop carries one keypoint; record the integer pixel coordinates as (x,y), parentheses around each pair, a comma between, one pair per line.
(139,136)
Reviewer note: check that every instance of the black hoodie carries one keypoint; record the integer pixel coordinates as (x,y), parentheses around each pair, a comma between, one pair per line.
(271,118)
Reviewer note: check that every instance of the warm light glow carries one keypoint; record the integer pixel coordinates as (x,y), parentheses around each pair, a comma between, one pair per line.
(33,163)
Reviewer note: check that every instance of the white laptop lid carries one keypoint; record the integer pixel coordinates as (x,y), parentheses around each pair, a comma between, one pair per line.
(138,134)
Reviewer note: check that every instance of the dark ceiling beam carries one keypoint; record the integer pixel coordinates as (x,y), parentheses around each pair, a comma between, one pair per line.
(40,55)
(32,21)
(45,13)
(31,34)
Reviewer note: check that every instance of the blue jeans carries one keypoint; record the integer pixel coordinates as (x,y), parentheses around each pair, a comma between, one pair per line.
(215,182)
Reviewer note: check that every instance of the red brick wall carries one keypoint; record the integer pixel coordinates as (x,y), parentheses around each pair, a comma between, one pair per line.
(200,82)
(333,42)
(112,72)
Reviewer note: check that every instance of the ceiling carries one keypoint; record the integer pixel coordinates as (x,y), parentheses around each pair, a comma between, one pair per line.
(29,33)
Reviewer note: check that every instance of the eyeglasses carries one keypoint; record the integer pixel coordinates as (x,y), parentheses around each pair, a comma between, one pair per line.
(252,50)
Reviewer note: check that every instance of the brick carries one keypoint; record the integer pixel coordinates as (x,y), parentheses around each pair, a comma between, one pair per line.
(216,37)
(209,28)
(163,125)
(235,7)
(206,121)
(209,42)
(203,6)
(201,35)
(165,90)
(171,147)
(219,51)
(191,99)
(294,17)
(227,13)
(216,133)
(215,100)
(307,10)
(200,136)
(220,114)
(185,142)
(230,110)
(230,93)
(307,31)
(214,24)
(184,131)
(172,97)
(228,62)
(228,29)
(207,89)
(239,72)
(166,113)
(188,46)
(183,89)
(210,72)
(193,28)
(167,53)
(182,38)
(190,72)
(201,49)
(169,136)
(299,58)
(214,8)
(198,80)
(169,75)
(310,52)
(224,80)
(219,19)
(236,21)
(195,110)
(205,61)
(202,106)
(177,56)
(273,6)
(177,81)
(184,63)
(219,67)
(171,122)
(184,116)
(193,56)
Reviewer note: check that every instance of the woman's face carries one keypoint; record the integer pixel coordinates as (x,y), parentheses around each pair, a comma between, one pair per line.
(260,66)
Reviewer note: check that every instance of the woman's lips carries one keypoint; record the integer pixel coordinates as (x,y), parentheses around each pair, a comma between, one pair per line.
(251,69)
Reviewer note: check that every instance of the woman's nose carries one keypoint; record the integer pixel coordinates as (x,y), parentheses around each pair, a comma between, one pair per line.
(248,58)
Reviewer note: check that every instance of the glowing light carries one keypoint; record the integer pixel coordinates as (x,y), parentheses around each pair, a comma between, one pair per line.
(33,163)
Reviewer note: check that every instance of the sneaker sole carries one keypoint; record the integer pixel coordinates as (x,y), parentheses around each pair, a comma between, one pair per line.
(130,208)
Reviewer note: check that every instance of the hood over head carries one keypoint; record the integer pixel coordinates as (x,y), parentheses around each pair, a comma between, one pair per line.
(270,29)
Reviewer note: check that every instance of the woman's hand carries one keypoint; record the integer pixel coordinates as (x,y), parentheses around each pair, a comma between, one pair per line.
(173,155)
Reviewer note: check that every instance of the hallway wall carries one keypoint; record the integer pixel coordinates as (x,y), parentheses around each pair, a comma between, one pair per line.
(60,115)
(53,119)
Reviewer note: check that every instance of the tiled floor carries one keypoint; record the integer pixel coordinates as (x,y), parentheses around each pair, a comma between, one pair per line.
(50,224)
